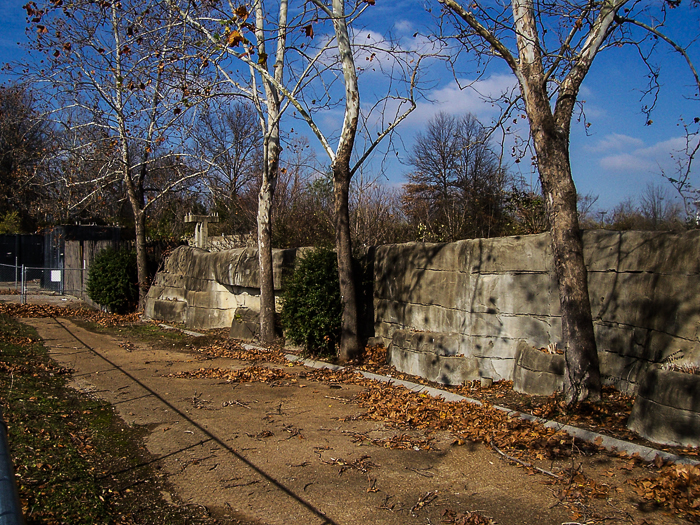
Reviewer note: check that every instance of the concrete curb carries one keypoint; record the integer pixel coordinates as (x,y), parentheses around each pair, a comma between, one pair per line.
(609,443)
(188,332)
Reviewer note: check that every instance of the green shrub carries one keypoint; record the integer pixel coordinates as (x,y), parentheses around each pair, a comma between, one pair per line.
(312,310)
(113,280)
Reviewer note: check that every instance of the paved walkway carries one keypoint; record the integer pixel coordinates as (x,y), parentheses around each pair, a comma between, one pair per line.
(289,453)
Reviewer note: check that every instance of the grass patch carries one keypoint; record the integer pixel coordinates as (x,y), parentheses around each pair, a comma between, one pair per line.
(153,335)
(75,460)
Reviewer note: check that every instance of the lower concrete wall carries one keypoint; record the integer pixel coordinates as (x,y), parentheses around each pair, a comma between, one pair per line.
(202,290)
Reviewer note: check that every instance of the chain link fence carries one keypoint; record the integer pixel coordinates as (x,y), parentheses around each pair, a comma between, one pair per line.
(35,280)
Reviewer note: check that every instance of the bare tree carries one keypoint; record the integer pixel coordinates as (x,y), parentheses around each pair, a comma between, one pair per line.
(304,75)
(126,66)
(456,189)
(655,209)
(681,179)
(658,209)
(239,55)
(303,206)
(376,214)
(24,141)
(550,47)
(229,150)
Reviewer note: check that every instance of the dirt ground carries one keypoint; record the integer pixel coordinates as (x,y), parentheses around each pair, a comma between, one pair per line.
(288,452)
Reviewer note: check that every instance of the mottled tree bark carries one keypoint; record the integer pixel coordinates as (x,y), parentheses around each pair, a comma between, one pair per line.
(550,131)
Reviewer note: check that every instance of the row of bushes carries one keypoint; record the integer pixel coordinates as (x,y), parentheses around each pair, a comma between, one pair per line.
(312,309)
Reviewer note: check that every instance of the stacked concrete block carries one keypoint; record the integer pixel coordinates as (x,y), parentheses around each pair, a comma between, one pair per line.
(203,290)
(667,408)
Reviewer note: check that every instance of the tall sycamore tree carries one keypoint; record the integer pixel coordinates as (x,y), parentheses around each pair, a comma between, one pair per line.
(310,73)
(550,48)
(124,69)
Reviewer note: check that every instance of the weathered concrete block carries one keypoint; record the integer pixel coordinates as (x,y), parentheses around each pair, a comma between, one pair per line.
(432,356)
(245,324)
(515,293)
(540,331)
(660,252)
(433,318)
(601,250)
(537,372)
(173,311)
(667,408)
(528,253)
(625,340)
(432,287)
(620,371)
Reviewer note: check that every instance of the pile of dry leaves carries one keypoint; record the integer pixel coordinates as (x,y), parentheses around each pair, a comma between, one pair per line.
(44,310)
(233,350)
(251,374)
(676,487)
(403,408)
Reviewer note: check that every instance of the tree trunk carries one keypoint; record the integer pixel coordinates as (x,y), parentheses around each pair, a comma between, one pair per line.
(271,159)
(550,133)
(350,336)
(582,380)
(267,291)
(141,258)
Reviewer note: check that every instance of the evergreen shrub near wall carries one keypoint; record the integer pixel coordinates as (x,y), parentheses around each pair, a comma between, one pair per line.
(113,280)
(312,310)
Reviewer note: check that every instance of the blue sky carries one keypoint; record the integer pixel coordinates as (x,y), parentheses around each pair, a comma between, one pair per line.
(615,160)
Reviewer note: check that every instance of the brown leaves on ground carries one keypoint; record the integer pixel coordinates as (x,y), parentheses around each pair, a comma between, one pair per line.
(403,408)
(371,358)
(233,350)
(362,464)
(465,518)
(397,442)
(579,487)
(676,487)
(44,310)
(252,374)
(404,442)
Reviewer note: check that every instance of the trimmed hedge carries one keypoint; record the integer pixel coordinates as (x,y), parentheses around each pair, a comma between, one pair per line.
(312,309)
(113,280)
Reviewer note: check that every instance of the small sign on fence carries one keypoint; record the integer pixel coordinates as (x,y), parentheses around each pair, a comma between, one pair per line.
(55,276)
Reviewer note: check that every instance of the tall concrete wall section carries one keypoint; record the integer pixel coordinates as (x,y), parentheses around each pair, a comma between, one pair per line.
(475,300)
(644,296)
(486,293)
(454,312)
(203,290)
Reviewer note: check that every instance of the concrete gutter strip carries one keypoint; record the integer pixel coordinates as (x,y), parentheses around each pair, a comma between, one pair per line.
(609,443)
(188,332)
(307,362)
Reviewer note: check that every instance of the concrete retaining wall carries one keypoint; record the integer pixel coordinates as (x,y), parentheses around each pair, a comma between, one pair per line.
(492,293)
(203,290)
(452,312)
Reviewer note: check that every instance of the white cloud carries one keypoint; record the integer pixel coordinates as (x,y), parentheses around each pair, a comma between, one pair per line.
(643,159)
(454,100)
(403,26)
(615,142)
